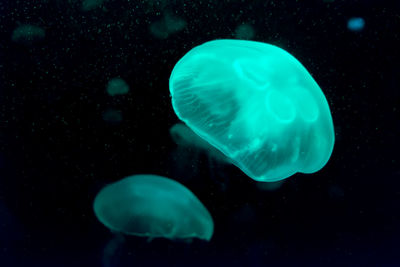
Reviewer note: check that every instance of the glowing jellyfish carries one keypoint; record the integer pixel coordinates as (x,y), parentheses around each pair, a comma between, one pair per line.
(257,104)
(244,31)
(167,25)
(153,206)
(91,4)
(117,86)
(272,186)
(356,24)
(112,116)
(28,34)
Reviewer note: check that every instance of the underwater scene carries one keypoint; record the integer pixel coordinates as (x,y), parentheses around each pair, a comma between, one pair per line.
(199,133)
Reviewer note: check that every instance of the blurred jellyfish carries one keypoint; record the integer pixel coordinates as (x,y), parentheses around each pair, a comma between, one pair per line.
(154,6)
(112,116)
(167,25)
(355,24)
(111,250)
(28,34)
(244,31)
(271,186)
(153,206)
(91,4)
(117,86)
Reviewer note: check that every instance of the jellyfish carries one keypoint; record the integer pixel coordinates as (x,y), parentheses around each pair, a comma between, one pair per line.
(355,24)
(117,86)
(271,186)
(255,103)
(88,5)
(112,116)
(153,206)
(28,34)
(167,25)
(244,31)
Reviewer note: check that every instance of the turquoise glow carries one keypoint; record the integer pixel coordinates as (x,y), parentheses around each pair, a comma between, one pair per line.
(117,86)
(91,4)
(167,25)
(356,24)
(153,206)
(28,34)
(257,104)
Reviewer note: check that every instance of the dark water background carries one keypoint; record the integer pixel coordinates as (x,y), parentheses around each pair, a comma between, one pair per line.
(57,150)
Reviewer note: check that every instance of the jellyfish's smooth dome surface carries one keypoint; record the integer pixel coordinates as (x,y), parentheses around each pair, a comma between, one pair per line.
(153,206)
(257,104)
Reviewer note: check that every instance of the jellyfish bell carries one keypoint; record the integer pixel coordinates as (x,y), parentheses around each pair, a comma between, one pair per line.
(154,207)
(117,86)
(255,103)
(356,24)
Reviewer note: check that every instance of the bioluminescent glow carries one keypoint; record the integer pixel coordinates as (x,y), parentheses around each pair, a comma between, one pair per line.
(355,24)
(257,104)
(153,206)
(117,86)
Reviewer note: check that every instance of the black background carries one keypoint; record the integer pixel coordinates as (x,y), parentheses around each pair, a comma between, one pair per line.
(57,151)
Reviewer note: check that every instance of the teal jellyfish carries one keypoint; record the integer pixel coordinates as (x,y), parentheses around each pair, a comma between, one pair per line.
(117,86)
(88,5)
(153,206)
(112,116)
(271,186)
(167,25)
(244,31)
(355,24)
(257,104)
(28,34)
